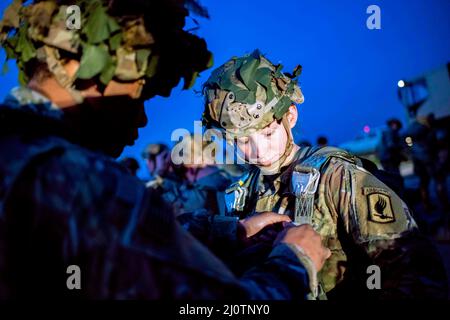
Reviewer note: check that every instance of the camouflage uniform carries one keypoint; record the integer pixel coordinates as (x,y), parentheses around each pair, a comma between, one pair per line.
(204,193)
(159,168)
(200,186)
(360,219)
(62,203)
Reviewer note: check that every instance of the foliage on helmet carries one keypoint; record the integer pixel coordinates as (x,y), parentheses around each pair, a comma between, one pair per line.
(119,39)
(249,92)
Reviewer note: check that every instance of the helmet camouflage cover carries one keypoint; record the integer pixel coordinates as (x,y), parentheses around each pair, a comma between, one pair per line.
(124,40)
(248,93)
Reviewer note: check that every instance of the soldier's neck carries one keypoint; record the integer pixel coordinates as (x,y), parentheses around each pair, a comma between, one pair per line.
(278,168)
(292,156)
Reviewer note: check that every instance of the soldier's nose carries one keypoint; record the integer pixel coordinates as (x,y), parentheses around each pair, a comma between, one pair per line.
(260,149)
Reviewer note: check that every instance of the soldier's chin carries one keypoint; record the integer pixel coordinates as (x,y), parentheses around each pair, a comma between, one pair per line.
(266,162)
(114,151)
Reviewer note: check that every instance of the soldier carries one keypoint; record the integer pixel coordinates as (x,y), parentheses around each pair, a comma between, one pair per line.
(157,158)
(199,184)
(131,164)
(425,162)
(63,199)
(359,217)
(391,148)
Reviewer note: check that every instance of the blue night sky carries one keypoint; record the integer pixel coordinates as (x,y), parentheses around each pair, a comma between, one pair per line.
(350,73)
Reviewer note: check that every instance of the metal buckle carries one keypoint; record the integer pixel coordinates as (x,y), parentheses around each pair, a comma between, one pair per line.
(304,185)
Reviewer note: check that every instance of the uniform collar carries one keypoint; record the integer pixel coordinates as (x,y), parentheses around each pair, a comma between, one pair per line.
(282,179)
(32,102)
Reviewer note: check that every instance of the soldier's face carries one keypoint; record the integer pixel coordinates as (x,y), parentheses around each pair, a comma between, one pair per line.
(132,89)
(268,145)
(107,124)
(159,164)
(264,147)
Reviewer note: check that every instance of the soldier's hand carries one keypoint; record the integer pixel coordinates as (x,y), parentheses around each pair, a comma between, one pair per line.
(309,240)
(250,226)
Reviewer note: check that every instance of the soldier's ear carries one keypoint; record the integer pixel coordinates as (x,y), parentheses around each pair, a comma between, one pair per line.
(292,116)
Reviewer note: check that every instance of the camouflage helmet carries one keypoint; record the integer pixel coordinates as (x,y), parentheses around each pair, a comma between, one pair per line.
(248,93)
(124,40)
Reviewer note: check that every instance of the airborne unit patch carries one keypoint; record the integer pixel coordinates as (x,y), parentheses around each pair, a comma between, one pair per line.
(380,208)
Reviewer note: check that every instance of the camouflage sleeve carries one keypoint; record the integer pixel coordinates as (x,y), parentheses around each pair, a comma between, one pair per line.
(212,230)
(380,224)
(281,276)
(73,209)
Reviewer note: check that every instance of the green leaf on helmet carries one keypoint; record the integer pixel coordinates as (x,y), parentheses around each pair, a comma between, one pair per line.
(297,71)
(9,48)
(190,80)
(251,97)
(277,72)
(152,66)
(113,26)
(269,93)
(25,46)
(227,84)
(23,80)
(282,107)
(263,77)
(241,95)
(256,54)
(210,61)
(108,72)
(142,57)
(246,72)
(214,77)
(99,25)
(93,61)
(278,67)
(115,41)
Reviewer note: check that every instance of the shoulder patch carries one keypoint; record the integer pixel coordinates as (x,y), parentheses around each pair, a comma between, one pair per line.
(380,208)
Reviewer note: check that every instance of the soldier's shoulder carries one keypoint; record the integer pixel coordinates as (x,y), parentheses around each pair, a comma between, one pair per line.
(245,178)
(218,180)
(325,159)
(76,158)
(370,208)
(70,166)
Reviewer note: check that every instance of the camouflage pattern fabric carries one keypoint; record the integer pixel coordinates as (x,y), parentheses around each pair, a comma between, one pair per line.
(248,93)
(118,39)
(184,196)
(62,204)
(363,222)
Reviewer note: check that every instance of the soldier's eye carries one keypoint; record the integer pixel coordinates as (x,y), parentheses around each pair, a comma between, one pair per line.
(269,133)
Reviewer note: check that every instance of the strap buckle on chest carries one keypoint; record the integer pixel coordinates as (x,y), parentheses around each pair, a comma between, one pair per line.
(304,185)
(235,197)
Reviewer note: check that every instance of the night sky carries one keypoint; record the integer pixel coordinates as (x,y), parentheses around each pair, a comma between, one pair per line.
(350,73)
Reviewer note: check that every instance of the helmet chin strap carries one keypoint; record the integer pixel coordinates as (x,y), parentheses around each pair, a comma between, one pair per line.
(285,159)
